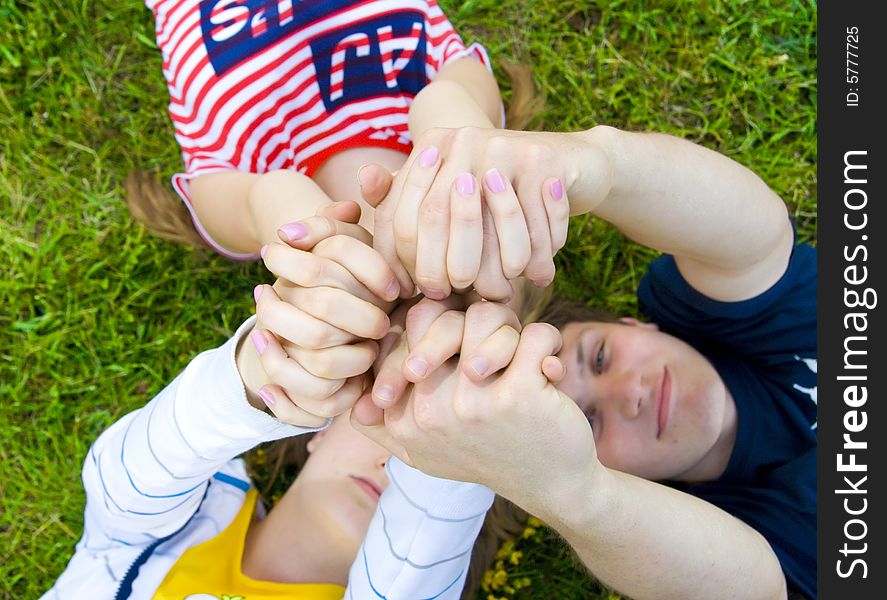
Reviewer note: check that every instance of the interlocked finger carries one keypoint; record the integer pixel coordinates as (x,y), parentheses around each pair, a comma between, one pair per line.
(296,326)
(340,310)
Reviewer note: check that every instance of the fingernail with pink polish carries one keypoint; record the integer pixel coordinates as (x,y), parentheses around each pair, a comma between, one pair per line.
(257,293)
(495,181)
(557,189)
(429,156)
(263,250)
(266,397)
(293,231)
(259,341)
(465,184)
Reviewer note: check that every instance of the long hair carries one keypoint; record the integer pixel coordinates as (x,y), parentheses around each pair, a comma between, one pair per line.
(154,206)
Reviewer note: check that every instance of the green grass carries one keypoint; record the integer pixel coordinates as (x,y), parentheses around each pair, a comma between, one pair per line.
(97,315)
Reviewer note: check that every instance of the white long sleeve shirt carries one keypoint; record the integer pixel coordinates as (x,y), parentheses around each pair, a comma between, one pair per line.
(165,478)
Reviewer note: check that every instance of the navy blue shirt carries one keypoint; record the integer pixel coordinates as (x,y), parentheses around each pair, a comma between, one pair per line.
(764,349)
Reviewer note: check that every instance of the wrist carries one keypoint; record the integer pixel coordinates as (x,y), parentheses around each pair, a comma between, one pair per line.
(579,502)
(445,104)
(249,367)
(591,168)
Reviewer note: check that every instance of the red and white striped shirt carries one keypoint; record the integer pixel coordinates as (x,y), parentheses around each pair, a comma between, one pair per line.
(261,85)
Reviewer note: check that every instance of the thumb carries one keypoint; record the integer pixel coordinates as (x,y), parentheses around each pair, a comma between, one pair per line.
(346,211)
(375,181)
(369,420)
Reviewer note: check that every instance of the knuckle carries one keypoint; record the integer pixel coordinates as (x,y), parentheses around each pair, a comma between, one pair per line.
(540,331)
(404,234)
(464,136)
(534,153)
(314,336)
(434,211)
(424,414)
(312,272)
(319,364)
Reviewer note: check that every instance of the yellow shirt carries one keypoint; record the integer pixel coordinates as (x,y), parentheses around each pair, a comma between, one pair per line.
(211,570)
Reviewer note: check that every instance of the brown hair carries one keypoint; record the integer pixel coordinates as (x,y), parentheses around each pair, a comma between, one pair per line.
(274,466)
(559,312)
(154,206)
(524,104)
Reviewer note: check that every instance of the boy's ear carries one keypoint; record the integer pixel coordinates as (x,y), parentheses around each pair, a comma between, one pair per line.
(635,323)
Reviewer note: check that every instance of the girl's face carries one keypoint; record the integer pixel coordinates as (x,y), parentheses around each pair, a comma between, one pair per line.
(657,407)
(342,481)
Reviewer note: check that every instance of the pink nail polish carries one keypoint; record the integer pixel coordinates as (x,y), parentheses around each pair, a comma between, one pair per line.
(257,293)
(429,156)
(465,184)
(262,250)
(259,341)
(495,181)
(266,397)
(293,231)
(557,189)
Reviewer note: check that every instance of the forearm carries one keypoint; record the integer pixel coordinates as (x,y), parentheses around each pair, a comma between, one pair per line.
(463,94)
(650,541)
(147,472)
(681,198)
(242,211)
(728,231)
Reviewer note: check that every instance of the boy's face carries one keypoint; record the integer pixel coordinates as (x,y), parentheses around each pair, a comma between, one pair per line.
(657,406)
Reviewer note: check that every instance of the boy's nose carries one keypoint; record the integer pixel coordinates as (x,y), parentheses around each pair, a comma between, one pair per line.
(623,395)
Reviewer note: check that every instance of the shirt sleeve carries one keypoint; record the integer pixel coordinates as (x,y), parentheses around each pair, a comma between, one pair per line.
(445,45)
(420,539)
(147,473)
(778,321)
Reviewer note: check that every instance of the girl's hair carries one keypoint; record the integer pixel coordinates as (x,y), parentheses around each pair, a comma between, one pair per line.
(154,205)
(275,465)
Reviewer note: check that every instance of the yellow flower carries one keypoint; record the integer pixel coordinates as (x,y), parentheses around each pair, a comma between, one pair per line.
(505,550)
(515,557)
(534,522)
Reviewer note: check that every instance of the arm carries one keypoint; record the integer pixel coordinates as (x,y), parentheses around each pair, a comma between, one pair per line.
(420,540)
(508,431)
(650,541)
(728,231)
(463,94)
(242,211)
(146,474)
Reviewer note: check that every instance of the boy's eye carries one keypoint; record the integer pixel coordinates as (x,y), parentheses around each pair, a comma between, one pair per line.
(599,360)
